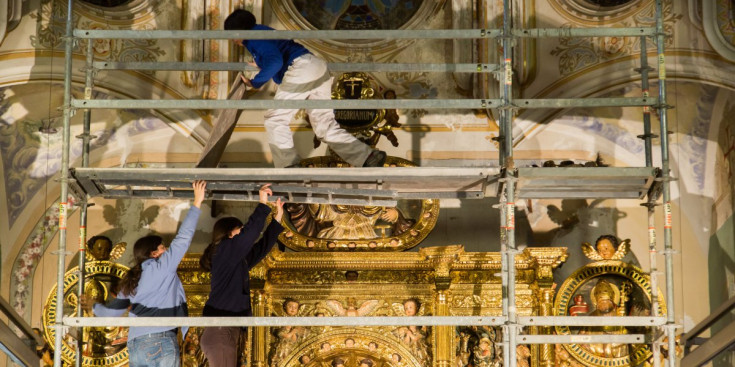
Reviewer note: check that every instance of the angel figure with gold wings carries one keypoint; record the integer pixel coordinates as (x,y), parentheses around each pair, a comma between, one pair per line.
(99,248)
(607,247)
(352,308)
(414,337)
(289,337)
(100,341)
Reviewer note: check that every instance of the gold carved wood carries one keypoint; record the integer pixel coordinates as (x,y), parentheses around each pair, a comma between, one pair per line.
(440,280)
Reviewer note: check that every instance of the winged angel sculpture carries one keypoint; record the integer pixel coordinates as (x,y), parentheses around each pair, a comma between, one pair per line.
(289,337)
(606,247)
(414,337)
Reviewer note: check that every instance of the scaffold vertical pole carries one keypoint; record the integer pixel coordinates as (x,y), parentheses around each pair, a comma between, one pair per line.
(665,175)
(650,205)
(647,136)
(506,116)
(64,180)
(89,75)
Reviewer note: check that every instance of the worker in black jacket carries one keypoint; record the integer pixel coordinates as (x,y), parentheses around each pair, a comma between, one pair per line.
(235,249)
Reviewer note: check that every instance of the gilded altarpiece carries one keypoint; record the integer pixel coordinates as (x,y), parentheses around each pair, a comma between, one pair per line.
(441,281)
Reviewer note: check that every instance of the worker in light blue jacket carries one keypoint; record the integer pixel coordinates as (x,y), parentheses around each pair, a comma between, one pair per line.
(152,288)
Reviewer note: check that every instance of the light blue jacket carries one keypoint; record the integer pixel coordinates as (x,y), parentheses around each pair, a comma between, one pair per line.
(159,292)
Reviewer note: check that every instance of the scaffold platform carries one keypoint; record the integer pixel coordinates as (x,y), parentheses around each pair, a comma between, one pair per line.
(348,186)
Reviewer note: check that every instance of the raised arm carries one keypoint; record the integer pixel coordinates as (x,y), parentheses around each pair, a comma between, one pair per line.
(244,242)
(270,236)
(171,258)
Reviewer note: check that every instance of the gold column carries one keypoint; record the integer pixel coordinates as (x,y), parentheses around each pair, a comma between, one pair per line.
(444,334)
(259,302)
(547,357)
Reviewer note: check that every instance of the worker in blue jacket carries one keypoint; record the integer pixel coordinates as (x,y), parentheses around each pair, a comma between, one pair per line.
(300,75)
(152,288)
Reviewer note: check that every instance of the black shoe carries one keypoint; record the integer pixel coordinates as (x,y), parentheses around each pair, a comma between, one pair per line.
(375,159)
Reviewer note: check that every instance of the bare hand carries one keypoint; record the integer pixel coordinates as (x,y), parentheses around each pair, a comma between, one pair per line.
(200,188)
(246,81)
(264,193)
(390,215)
(279,209)
(87,303)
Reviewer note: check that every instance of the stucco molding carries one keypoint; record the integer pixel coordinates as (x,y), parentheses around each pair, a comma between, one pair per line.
(718,28)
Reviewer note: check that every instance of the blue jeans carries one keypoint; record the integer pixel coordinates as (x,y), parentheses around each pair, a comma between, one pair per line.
(155,350)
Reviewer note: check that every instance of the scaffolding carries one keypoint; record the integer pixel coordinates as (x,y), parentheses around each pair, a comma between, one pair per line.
(383,186)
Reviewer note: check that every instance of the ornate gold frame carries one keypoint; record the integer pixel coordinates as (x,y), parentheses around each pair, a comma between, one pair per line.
(425,222)
(577,280)
(71,278)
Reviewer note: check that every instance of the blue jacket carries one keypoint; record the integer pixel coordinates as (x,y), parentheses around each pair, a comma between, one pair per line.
(273,57)
(159,291)
(229,293)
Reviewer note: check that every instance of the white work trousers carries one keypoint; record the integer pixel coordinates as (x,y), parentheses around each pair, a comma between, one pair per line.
(308,78)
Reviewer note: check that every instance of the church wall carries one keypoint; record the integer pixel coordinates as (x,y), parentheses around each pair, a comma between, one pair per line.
(700,88)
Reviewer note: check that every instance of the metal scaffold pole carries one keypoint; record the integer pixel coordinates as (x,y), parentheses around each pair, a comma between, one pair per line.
(647,135)
(64,180)
(650,205)
(85,137)
(506,143)
(666,177)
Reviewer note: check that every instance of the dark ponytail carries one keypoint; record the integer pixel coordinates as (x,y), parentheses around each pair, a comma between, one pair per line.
(221,230)
(141,252)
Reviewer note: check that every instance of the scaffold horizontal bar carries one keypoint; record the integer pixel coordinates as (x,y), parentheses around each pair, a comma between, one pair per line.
(585,102)
(584,32)
(334,67)
(356,103)
(292,194)
(287,321)
(591,321)
(364,34)
(581,339)
(296,104)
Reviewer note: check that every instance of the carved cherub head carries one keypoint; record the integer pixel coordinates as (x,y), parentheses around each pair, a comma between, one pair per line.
(411,306)
(291,307)
(607,247)
(372,346)
(408,307)
(99,247)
